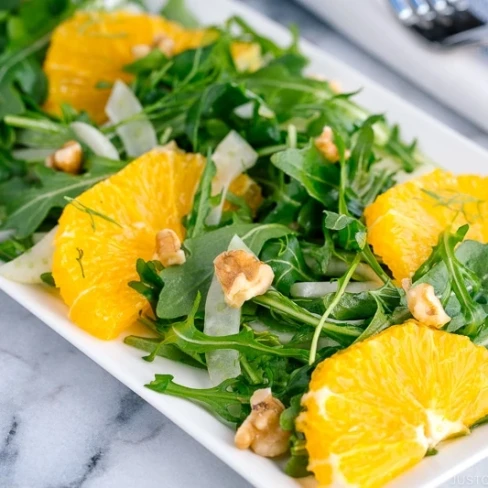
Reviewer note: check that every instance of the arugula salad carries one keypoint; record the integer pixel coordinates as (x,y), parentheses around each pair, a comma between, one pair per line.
(256,220)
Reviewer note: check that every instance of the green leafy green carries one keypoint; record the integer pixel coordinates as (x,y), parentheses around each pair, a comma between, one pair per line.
(286,259)
(29,25)
(202,205)
(319,177)
(150,284)
(230,406)
(12,248)
(168,351)
(48,279)
(27,211)
(177,11)
(458,275)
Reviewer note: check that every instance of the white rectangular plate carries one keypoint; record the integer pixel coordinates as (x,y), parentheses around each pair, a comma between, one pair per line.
(440,143)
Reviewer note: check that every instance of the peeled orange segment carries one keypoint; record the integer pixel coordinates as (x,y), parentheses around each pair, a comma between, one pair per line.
(374,409)
(110,226)
(247,56)
(93,47)
(244,186)
(404,223)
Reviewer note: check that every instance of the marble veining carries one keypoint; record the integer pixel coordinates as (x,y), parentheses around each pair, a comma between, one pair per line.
(66,423)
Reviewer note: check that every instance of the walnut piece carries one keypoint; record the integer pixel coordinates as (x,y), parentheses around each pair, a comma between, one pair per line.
(141,50)
(424,304)
(165,44)
(242,276)
(325,144)
(67,159)
(168,248)
(335,86)
(261,430)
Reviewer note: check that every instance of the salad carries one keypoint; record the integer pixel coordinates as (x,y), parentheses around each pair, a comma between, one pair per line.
(259,223)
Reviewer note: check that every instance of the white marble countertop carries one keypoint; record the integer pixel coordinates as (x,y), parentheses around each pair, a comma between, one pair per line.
(66,423)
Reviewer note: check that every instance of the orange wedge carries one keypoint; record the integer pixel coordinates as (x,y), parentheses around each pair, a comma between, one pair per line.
(110,226)
(404,223)
(89,50)
(376,408)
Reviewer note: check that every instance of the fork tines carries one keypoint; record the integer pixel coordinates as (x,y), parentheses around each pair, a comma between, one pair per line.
(447,22)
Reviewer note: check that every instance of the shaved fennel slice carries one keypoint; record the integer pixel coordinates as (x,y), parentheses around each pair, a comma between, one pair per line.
(99,143)
(245,111)
(232,157)
(138,135)
(220,320)
(319,289)
(29,267)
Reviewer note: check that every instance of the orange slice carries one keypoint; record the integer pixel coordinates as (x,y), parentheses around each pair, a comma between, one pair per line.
(376,408)
(95,255)
(93,47)
(404,223)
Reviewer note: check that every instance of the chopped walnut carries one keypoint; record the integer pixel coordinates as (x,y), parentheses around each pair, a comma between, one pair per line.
(325,144)
(335,86)
(67,159)
(165,44)
(424,304)
(141,50)
(261,430)
(168,248)
(242,276)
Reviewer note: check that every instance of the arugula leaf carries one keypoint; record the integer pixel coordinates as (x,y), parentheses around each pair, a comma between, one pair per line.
(364,181)
(10,166)
(297,465)
(168,351)
(406,153)
(190,340)
(267,45)
(28,34)
(195,221)
(280,304)
(355,306)
(308,166)
(28,209)
(12,248)
(150,284)
(288,417)
(182,283)
(48,279)
(458,275)
(285,91)
(351,235)
(379,322)
(231,406)
(286,259)
(342,283)
(177,11)
(216,101)
(284,200)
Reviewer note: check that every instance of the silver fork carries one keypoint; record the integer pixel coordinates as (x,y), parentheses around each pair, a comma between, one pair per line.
(447,23)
